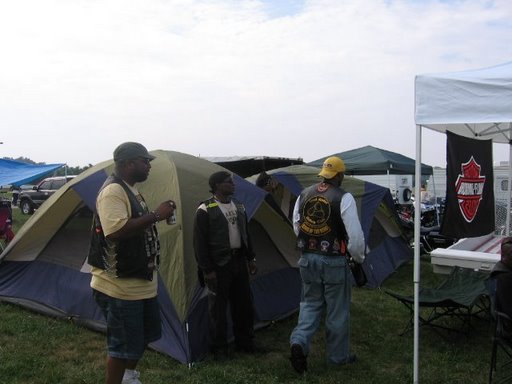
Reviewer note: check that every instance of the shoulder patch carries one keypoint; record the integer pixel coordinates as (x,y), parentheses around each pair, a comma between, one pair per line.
(322,187)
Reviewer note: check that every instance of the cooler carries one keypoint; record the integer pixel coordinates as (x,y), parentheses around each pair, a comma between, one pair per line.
(477,253)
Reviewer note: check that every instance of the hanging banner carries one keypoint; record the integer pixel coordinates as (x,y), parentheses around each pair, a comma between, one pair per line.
(469,208)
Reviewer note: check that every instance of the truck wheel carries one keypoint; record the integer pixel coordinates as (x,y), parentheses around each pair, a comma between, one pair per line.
(26,207)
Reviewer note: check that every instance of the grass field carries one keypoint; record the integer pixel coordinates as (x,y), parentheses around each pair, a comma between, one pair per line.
(38,349)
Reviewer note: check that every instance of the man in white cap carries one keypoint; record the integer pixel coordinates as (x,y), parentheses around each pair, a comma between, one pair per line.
(328,231)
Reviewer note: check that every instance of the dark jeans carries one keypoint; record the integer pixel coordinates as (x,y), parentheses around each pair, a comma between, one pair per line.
(231,287)
(131,324)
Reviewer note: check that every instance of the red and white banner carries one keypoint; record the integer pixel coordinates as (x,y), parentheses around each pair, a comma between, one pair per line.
(469,208)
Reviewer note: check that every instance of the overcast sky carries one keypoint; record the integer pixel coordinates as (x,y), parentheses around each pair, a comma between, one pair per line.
(232,77)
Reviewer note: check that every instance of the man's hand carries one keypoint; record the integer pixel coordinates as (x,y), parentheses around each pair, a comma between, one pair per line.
(253,269)
(210,275)
(210,279)
(165,210)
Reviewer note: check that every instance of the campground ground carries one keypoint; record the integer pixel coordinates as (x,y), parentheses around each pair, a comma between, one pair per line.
(41,350)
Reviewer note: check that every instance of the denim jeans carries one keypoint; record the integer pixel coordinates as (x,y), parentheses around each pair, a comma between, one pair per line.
(131,324)
(326,284)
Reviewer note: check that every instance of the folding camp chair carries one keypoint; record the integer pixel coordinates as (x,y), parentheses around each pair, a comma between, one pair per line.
(451,305)
(501,340)
(6,233)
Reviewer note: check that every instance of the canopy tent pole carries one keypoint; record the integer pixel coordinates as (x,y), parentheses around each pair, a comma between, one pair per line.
(436,204)
(509,187)
(435,198)
(416,276)
(389,181)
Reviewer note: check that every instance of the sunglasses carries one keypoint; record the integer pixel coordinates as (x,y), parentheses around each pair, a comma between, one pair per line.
(143,160)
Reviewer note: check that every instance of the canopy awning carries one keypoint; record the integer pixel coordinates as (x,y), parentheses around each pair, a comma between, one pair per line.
(475,103)
(17,173)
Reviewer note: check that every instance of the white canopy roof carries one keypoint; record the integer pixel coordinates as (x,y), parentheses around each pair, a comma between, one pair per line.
(475,103)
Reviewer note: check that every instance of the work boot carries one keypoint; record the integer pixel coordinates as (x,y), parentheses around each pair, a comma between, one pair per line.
(298,359)
(350,359)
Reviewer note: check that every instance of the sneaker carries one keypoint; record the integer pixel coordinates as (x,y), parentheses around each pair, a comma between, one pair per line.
(131,377)
(298,359)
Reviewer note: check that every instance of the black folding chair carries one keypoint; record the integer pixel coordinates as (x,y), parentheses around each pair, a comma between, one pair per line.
(501,341)
(451,305)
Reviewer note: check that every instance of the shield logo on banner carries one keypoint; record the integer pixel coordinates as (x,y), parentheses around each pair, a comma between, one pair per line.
(469,188)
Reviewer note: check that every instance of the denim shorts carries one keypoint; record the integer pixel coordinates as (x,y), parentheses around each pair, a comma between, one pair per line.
(131,325)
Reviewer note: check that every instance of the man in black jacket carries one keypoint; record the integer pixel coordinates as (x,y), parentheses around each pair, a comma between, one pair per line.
(225,258)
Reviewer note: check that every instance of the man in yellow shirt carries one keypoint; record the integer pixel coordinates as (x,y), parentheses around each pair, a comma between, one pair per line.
(124,256)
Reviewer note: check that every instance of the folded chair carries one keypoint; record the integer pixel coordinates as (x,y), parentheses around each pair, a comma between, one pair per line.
(6,233)
(450,305)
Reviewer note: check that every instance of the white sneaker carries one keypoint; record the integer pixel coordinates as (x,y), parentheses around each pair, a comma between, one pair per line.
(131,377)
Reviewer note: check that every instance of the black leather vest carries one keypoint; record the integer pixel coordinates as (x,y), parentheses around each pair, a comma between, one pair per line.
(321,227)
(131,255)
(219,232)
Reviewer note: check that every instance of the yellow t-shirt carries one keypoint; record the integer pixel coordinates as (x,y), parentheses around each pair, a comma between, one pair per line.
(114,210)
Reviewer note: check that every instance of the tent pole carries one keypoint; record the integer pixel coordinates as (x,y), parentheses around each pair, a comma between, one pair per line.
(435,198)
(416,276)
(509,194)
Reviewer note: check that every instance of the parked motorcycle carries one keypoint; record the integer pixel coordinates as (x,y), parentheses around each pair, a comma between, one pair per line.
(431,217)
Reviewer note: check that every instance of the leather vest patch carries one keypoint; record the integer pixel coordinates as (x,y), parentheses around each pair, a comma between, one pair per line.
(321,229)
(316,212)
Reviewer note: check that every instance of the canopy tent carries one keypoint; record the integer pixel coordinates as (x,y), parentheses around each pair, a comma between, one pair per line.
(370,160)
(17,173)
(383,234)
(476,104)
(245,166)
(44,268)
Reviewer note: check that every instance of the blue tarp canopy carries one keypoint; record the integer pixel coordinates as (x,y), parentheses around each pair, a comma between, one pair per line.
(17,173)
